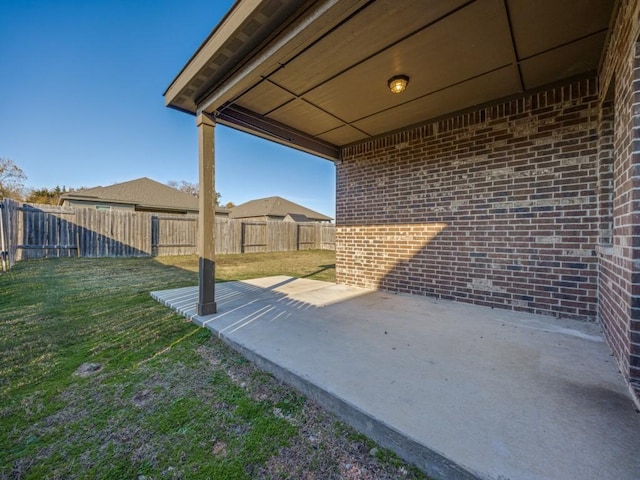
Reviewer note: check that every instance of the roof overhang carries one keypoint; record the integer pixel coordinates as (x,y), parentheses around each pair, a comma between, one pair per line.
(313,74)
(137,206)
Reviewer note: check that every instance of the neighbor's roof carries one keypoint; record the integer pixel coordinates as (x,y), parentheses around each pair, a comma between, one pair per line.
(298,217)
(274,207)
(142,192)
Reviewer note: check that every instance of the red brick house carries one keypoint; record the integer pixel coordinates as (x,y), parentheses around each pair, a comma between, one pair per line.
(506,174)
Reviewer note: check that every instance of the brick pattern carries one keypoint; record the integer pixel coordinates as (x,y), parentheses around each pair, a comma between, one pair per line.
(605,172)
(619,289)
(632,225)
(496,207)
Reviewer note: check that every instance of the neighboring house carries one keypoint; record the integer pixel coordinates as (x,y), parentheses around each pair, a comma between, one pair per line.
(278,209)
(506,174)
(296,218)
(140,195)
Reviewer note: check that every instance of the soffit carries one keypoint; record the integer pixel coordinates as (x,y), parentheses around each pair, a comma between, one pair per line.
(432,58)
(239,34)
(331,88)
(464,95)
(363,36)
(542,25)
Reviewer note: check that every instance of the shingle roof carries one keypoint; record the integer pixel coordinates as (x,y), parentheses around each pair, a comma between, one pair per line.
(274,207)
(142,192)
(298,217)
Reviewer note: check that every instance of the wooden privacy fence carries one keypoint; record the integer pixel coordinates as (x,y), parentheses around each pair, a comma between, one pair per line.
(39,231)
(177,235)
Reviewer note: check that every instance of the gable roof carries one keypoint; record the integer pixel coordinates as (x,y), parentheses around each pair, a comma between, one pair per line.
(142,192)
(275,207)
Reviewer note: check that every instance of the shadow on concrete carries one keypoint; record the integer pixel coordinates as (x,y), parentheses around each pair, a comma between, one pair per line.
(460,390)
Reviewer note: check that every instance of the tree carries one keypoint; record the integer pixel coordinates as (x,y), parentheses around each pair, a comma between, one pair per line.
(184,186)
(229,205)
(46,196)
(11,179)
(191,188)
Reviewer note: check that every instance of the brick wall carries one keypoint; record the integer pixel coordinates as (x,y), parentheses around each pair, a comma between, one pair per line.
(619,292)
(496,207)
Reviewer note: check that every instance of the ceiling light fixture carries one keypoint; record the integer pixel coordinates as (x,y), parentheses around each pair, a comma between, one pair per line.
(398,83)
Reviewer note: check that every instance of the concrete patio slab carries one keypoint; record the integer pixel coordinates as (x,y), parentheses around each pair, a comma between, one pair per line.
(462,391)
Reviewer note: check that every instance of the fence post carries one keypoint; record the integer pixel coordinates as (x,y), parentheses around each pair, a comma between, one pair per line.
(155,235)
(3,238)
(242,236)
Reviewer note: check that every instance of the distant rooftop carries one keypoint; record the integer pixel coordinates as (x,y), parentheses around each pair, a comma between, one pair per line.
(143,193)
(276,207)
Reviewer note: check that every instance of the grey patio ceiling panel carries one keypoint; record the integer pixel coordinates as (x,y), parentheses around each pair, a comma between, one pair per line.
(569,60)
(343,135)
(305,117)
(360,38)
(264,97)
(433,59)
(327,63)
(500,83)
(544,24)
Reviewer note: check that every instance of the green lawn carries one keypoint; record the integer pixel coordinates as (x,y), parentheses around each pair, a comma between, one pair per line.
(99,381)
(316,264)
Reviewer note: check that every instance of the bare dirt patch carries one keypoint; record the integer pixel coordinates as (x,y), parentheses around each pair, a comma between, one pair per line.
(142,397)
(219,449)
(87,369)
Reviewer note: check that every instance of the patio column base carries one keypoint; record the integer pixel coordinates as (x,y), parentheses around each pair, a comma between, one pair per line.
(206,309)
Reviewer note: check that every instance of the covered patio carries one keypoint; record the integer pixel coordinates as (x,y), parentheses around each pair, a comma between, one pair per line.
(486,152)
(462,391)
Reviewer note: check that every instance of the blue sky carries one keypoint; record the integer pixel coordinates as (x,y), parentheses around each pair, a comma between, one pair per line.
(81,86)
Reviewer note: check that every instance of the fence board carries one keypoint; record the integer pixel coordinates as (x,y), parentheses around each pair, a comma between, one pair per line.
(41,231)
(174,235)
(10,228)
(327,237)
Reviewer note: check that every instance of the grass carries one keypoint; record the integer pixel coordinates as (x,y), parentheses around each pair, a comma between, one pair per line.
(315,264)
(99,381)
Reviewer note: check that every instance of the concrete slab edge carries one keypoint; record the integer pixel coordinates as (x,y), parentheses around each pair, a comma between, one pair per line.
(634,390)
(635,396)
(432,463)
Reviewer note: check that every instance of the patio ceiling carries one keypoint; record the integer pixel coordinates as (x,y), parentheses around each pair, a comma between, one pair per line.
(313,74)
